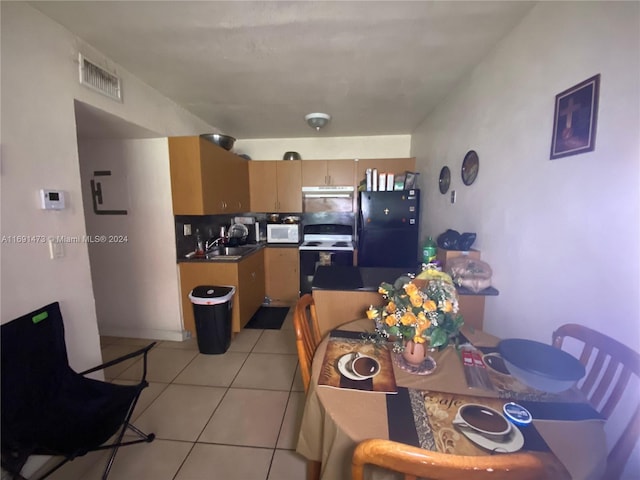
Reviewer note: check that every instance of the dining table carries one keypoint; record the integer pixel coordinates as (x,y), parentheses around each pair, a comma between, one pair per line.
(416,408)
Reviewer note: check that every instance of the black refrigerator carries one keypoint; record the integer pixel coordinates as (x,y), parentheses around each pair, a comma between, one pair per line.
(388,229)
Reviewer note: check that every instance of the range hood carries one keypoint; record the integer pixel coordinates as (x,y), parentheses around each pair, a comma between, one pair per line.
(328,198)
(328,191)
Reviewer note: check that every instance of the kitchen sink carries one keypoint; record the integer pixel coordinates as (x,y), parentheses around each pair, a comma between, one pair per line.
(230,253)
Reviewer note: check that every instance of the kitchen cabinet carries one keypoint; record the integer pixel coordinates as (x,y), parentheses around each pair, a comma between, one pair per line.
(230,179)
(396,166)
(206,179)
(282,274)
(275,186)
(328,172)
(247,275)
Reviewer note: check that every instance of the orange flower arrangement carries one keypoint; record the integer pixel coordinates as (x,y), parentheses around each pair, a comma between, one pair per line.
(421,309)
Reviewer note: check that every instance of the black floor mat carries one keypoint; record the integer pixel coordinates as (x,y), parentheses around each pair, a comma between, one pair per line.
(268,317)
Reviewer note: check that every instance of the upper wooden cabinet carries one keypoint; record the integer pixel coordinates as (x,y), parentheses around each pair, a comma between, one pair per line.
(206,179)
(328,172)
(275,186)
(384,165)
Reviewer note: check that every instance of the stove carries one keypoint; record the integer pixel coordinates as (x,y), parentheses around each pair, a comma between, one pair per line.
(328,237)
(324,245)
(321,242)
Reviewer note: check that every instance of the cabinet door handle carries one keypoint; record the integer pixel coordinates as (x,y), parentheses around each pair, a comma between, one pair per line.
(253,275)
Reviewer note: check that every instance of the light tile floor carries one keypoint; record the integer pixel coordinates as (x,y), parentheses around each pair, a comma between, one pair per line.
(231,417)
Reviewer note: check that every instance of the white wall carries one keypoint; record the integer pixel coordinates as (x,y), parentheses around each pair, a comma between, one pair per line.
(135,279)
(39,149)
(327,148)
(562,236)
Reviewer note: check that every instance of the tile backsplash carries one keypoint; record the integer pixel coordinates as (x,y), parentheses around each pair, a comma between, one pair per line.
(209,226)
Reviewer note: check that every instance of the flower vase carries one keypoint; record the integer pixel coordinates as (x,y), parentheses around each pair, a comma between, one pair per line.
(415,353)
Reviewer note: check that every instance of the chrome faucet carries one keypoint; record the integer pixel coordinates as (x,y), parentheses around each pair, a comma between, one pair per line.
(213,243)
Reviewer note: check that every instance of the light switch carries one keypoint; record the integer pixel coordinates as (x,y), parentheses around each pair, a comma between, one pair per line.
(187,229)
(56,249)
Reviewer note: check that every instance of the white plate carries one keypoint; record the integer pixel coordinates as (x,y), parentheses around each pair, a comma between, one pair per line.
(512,442)
(343,361)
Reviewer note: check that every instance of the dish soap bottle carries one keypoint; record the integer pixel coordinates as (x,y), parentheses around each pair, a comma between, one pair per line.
(429,251)
(199,244)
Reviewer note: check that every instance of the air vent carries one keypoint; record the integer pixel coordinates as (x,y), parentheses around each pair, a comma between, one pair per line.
(99,79)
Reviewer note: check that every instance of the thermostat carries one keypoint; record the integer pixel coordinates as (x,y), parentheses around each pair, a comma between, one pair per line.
(51,199)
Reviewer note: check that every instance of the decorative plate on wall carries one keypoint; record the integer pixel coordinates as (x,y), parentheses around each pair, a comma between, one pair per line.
(470,167)
(445,179)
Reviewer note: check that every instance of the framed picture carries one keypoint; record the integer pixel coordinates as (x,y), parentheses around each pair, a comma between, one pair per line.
(575,119)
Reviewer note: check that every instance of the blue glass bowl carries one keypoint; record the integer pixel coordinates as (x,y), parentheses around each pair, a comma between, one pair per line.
(539,365)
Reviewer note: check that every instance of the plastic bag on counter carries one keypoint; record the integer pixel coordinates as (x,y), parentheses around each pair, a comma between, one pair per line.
(453,240)
(470,273)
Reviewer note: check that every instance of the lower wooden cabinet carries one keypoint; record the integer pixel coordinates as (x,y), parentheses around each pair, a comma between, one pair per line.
(247,276)
(282,270)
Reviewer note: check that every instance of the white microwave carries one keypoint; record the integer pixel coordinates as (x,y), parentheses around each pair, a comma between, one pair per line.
(283,233)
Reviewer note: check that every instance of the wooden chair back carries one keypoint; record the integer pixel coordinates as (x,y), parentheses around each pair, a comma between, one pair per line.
(305,322)
(416,463)
(610,366)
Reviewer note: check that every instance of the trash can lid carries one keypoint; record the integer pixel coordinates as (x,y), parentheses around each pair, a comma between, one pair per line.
(211,294)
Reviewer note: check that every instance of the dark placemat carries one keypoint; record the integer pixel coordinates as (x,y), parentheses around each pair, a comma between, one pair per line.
(347,334)
(270,318)
(402,427)
(561,411)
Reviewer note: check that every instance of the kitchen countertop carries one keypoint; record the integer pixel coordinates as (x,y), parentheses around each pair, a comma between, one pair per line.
(235,258)
(368,279)
(222,258)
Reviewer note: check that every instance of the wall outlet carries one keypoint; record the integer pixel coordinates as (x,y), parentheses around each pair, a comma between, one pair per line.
(187,229)
(453,196)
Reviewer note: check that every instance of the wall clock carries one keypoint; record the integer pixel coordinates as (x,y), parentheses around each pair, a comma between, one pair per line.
(470,167)
(445,180)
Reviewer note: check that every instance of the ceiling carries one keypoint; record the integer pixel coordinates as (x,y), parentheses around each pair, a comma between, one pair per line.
(255,69)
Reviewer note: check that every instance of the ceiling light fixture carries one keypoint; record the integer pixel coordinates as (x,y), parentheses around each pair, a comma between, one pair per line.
(317,120)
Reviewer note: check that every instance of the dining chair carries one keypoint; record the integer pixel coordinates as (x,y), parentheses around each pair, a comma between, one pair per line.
(416,463)
(610,366)
(305,323)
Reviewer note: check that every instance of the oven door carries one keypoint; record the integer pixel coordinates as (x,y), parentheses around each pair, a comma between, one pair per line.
(310,260)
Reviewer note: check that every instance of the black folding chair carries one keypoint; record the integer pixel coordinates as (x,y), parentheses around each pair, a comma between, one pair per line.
(48,408)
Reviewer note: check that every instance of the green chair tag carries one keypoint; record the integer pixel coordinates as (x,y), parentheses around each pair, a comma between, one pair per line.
(40,317)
